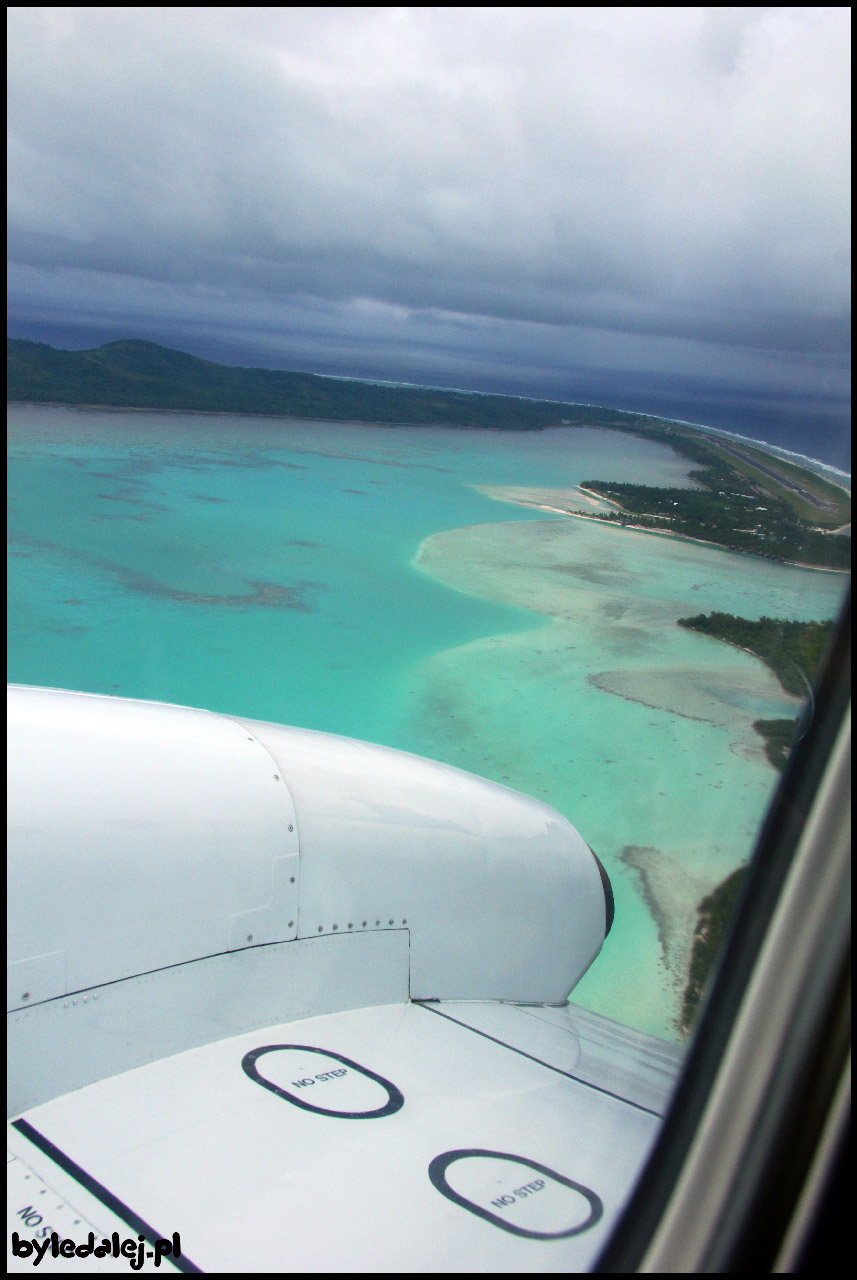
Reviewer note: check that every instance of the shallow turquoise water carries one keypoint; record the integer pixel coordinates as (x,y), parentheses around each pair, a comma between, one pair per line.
(249,565)
(350,579)
(638,730)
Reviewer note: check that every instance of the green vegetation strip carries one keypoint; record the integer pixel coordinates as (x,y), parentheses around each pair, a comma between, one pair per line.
(740,507)
(714,913)
(144,375)
(749,500)
(778,737)
(794,651)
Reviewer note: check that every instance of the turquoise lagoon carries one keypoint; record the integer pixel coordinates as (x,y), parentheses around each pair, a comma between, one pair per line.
(386,584)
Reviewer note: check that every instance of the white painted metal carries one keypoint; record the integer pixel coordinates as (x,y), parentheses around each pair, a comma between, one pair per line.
(253,1181)
(152,835)
(607,1055)
(140,836)
(165,922)
(501,896)
(72,1041)
(35,1210)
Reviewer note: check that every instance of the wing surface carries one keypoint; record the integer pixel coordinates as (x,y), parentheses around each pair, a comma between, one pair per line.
(443,1136)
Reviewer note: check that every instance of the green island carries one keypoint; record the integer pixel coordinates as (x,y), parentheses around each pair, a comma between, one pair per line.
(713,915)
(748,499)
(794,651)
(132,374)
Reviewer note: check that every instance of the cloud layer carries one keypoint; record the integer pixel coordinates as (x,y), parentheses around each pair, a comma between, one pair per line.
(660,191)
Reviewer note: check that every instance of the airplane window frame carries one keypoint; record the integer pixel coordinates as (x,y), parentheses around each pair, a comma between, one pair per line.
(761,1230)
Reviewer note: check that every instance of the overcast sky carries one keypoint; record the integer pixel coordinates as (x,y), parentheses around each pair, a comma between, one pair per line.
(641,206)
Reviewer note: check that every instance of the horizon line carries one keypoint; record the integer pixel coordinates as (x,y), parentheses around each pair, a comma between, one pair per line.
(432,386)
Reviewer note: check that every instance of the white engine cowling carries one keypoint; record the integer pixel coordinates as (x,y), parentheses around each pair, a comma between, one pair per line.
(176,876)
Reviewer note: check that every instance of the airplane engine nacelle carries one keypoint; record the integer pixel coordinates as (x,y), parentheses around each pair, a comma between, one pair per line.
(502,897)
(150,845)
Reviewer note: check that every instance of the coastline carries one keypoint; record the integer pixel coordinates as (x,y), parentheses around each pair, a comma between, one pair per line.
(707,542)
(777,451)
(504,695)
(657,533)
(544,709)
(247,413)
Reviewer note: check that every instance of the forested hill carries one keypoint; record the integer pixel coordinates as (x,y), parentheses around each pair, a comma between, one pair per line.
(143,375)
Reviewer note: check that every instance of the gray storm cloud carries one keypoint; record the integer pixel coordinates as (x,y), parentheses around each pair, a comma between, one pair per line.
(679,176)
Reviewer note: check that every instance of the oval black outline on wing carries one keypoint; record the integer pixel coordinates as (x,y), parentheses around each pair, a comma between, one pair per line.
(395,1098)
(437,1173)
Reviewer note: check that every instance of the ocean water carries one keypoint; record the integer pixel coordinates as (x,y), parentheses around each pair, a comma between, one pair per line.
(638,730)
(387,584)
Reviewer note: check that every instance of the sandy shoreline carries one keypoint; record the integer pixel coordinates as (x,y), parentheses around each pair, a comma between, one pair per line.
(497,494)
(638,730)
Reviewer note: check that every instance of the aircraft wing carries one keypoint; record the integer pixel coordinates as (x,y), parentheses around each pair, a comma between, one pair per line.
(192,1053)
